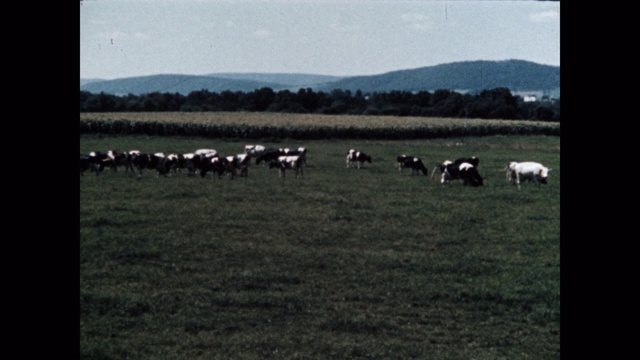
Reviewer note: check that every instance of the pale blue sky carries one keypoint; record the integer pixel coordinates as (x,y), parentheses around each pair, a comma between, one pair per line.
(125,38)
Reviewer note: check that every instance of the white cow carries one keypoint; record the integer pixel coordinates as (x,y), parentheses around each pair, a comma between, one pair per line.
(529,171)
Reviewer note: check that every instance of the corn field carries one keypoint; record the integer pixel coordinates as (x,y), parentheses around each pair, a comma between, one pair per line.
(302,126)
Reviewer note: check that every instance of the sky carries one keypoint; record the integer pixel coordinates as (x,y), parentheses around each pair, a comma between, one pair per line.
(128,38)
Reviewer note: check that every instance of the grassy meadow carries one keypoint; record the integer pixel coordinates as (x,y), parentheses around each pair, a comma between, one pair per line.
(340,264)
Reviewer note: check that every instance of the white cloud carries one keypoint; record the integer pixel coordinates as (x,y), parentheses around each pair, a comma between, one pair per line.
(546,16)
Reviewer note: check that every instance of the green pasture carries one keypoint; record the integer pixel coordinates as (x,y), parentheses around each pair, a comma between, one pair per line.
(340,264)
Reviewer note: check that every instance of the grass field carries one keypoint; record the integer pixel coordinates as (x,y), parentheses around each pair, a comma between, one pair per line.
(343,263)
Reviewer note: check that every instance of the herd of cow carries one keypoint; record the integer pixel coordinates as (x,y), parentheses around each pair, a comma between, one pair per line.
(203,161)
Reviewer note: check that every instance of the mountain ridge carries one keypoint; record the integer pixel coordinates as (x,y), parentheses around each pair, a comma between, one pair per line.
(465,76)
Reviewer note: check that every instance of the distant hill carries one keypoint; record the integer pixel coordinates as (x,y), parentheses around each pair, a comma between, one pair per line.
(88,81)
(183,84)
(516,75)
(294,81)
(468,76)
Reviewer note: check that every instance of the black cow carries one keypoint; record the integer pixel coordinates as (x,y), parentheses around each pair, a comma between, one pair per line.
(412,162)
(357,157)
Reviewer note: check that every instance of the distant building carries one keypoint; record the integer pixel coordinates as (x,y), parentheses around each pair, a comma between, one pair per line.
(530,98)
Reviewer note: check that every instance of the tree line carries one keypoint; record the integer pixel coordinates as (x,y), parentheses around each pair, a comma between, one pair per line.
(498,103)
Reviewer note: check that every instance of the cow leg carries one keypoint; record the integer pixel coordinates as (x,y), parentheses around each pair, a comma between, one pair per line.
(518,180)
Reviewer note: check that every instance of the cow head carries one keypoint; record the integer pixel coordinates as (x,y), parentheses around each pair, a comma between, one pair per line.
(544,173)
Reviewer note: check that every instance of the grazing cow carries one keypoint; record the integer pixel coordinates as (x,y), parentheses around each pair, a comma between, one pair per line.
(412,162)
(462,171)
(98,161)
(357,157)
(219,166)
(470,160)
(189,161)
(530,171)
(155,161)
(283,163)
(268,155)
(172,163)
(302,152)
(88,162)
(118,159)
(240,162)
(126,159)
(254,150)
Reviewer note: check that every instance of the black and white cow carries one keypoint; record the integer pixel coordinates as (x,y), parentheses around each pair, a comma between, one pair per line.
(301,151)
(268,155)
(412,162)
(465,172)
(529,171)
(240,162)
(283,163)
(442,166)
(189,161)
(88,163)
(254,150)
(357,157)
(126,159)
(224,165)
(155,161)
(215,164)
(96,161)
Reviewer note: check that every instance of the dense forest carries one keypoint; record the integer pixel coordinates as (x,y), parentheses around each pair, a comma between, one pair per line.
(497,103)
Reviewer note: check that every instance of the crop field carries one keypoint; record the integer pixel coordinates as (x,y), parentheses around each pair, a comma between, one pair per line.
(304,120)
(339,264)
(274,126)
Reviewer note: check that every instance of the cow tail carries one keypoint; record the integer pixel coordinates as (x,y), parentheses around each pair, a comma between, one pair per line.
(433,172)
